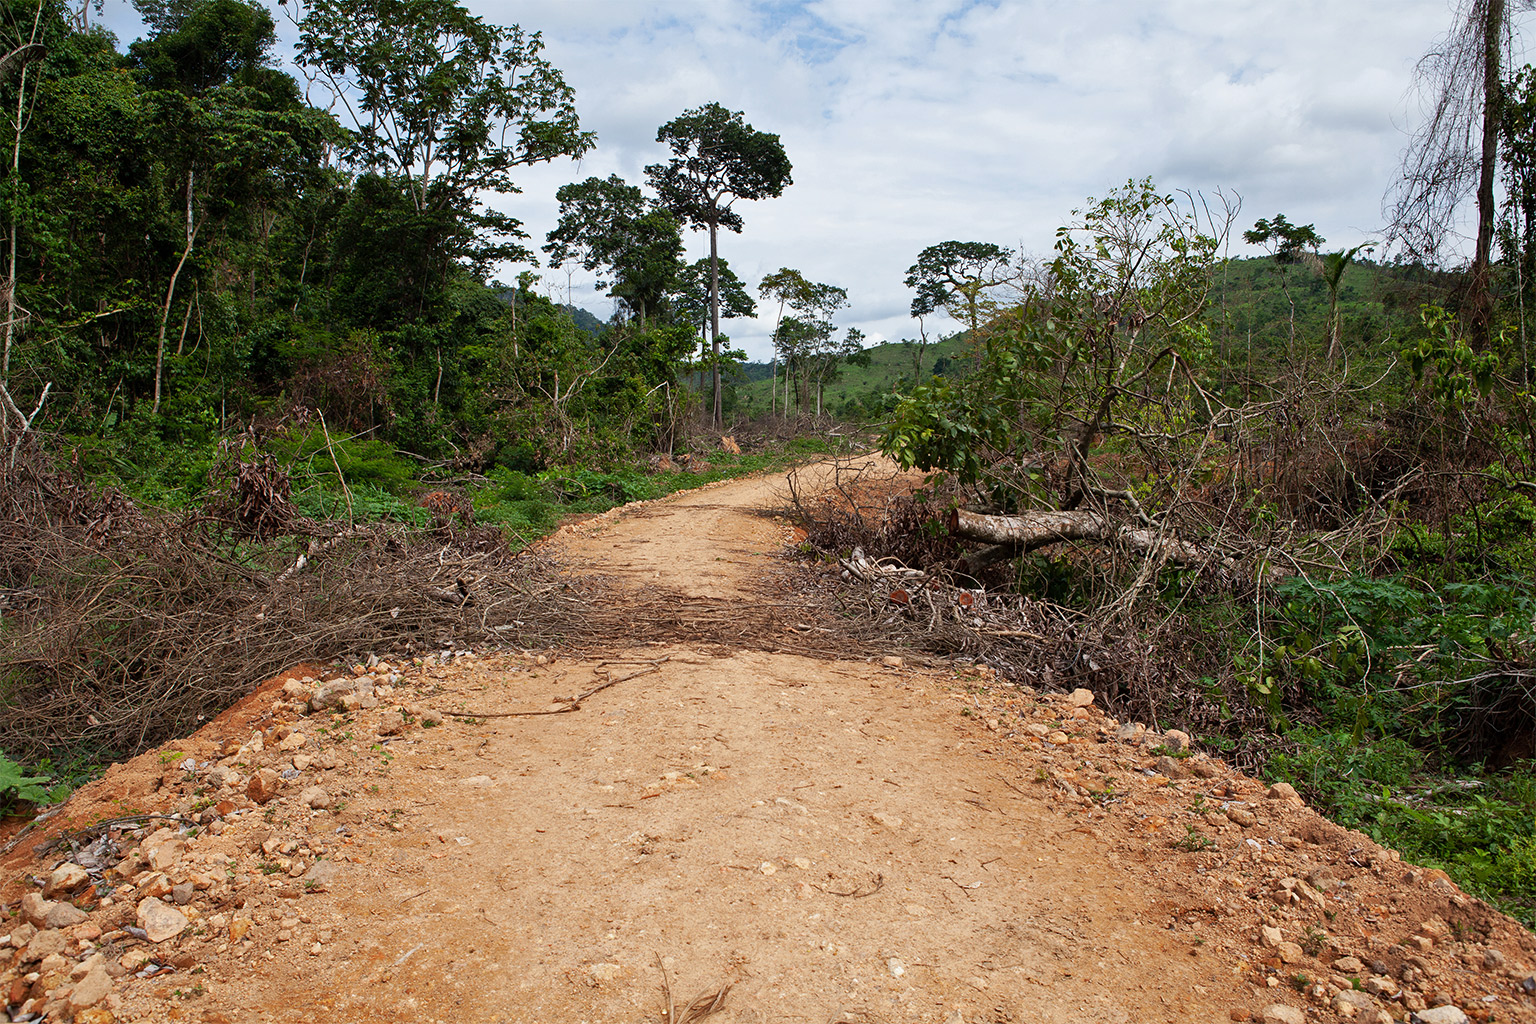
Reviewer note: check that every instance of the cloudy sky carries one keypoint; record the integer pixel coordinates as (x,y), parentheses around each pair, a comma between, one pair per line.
(911,122)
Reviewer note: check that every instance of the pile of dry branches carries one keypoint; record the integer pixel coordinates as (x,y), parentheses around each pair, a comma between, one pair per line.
(907,585)
(121,627)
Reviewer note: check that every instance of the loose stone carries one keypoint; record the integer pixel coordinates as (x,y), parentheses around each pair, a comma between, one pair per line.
(159,921)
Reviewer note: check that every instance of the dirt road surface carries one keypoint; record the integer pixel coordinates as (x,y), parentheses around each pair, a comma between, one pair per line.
(823,841)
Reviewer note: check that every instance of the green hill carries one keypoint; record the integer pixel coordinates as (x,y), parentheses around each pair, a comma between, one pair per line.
(861,390)
(1249,314)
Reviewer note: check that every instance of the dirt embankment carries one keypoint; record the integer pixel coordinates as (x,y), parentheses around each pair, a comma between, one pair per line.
(572,836)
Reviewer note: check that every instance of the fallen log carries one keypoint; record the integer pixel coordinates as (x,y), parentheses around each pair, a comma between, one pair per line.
(1030,530)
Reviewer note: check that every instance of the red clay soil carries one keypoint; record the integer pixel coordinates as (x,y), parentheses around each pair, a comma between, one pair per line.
(822,841)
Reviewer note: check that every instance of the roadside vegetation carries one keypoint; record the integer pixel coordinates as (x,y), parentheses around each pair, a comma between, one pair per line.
(263,398)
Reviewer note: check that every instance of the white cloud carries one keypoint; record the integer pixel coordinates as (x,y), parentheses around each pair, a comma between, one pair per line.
(911,123)
(914,121)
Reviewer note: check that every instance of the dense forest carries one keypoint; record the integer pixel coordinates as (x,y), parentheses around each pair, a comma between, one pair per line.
(1286,501)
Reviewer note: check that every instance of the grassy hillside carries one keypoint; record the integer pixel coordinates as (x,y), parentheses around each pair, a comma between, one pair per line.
(1258,311)
(890,368)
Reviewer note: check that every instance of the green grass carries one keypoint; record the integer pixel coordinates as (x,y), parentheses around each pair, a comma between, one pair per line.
(1478,826)
(385,486)
(890,367)
(527,507)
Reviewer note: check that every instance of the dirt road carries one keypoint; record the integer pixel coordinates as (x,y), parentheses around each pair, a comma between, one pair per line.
(835,841)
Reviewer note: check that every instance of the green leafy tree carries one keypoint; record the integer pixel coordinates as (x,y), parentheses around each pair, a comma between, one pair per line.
(444,107)
(1289,244)
(1333,266)
(607,225)
(827,357)
(788,286)
(957,277)
(695,302)
(1517,224)
(717,158)
(804,341)
(199,45)
(1077,359)
(231,129)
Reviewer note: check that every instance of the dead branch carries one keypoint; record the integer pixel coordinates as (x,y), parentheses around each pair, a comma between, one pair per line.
(857,892)
(571,703)
(1030,530)
(700,1007)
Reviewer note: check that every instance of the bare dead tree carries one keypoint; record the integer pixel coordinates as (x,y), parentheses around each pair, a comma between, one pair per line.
(1454,153)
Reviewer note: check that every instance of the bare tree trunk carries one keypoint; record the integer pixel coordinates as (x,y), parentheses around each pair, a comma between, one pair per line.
(170,292)
(25,54)
(922,344)
(1031,530)
(714,319)
(1493,95)
(773,388)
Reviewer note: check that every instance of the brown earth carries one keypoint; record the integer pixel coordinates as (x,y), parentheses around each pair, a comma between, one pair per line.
(835,840)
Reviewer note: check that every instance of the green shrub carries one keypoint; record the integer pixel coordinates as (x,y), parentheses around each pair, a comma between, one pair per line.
(1480,828)
(16,787)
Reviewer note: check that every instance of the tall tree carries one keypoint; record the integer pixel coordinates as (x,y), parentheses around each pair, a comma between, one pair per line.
(231,129)
(1289,244)
(23,47)
(1517,227)
(828,356)
(717,158)
(444,107)
(607,225)
(709,291)
(955,277)
(1454,153)
(787,286)
(1333,266)
(802,338)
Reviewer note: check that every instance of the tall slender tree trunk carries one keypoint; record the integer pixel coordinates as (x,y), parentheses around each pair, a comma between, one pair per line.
(170,293)
(12,307)
(773,389)
(10,272)
(1481,320)
(714,318)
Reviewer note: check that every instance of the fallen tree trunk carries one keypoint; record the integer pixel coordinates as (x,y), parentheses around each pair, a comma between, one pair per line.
(1030,530)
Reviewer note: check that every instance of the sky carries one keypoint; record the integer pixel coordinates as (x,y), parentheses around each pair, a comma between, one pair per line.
(912,122)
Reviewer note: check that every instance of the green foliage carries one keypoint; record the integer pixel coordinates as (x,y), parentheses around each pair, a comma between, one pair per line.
(364,462)
(1444,360)
(1153,259)
(956,277)
(1482,829)
(1384,657)
(447,106)
(1289,242)
(717,158)
(608,225)
(16,787)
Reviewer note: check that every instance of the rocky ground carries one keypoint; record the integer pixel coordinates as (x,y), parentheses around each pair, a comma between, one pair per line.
(584,836)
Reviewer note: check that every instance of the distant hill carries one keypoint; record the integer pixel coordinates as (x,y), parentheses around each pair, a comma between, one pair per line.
(583,319)
(1249,309)
(890,366)
(1248,314)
